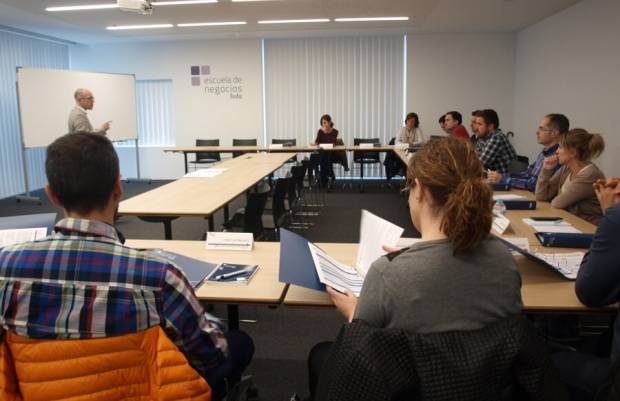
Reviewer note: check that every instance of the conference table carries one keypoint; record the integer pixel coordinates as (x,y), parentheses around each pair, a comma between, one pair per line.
(271,149)
(203,196)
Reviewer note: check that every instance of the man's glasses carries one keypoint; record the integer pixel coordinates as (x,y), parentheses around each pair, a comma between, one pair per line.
(89,98)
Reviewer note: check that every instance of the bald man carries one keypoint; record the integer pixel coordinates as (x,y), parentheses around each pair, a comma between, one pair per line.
(78,120)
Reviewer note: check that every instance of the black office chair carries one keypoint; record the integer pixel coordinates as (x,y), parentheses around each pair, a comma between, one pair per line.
(286,143)
(518,165)
(249,218)
(242,142)
(279,213)
(362,158)
(206,157)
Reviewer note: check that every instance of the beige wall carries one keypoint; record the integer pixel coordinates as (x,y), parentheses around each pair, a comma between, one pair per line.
(570,63)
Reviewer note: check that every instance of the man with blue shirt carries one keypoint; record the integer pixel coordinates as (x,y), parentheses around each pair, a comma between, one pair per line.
(548,135)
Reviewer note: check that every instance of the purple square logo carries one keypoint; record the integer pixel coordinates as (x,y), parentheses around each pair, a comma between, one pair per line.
(195,70)
(206,70)
(195,81)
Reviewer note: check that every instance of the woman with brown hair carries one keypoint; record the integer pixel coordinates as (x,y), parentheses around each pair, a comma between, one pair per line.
(570,187)
(458,277)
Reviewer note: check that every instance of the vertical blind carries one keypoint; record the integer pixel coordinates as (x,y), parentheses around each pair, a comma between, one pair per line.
(21,51)
(359,81)
(155,113)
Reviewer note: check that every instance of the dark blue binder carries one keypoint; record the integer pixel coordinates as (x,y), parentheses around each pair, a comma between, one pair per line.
(565,240)
(29,221)
(296,264)
(533,257)
(520,204)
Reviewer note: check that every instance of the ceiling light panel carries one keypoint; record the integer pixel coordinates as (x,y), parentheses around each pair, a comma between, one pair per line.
(294,21)
(371,19)
(224,23)
(127,27)
(181,2)
(82,7)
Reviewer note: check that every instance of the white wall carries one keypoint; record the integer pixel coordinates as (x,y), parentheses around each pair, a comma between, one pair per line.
(570,63)
(197,114)
(462,72)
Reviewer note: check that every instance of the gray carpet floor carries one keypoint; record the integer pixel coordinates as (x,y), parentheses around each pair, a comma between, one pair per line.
(284,335)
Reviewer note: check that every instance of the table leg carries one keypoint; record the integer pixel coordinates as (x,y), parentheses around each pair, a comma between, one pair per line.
(185,159)
(167,229)
(211,223)
(226,212)
(233,316)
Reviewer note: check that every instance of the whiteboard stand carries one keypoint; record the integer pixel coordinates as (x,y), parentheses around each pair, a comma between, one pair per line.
(138,179)
(26,197)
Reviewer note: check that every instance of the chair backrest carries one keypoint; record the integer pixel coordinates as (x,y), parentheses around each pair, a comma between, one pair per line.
(140,366)
(365,157)
(279,196)
(504,360)
(207,156)
(243,142)
(518,165)
(285,142)
(254,208)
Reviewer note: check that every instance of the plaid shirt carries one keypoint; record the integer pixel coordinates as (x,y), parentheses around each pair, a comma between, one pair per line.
(527,179)
(81,282)
(495,151)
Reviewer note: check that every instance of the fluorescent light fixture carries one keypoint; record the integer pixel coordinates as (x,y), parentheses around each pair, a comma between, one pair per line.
(191,24)
(124,27)
(83,7)
(371,19)
(246,1)
(181,2)
(294,21)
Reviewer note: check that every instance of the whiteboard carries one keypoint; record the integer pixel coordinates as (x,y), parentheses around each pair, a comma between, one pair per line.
(46,99)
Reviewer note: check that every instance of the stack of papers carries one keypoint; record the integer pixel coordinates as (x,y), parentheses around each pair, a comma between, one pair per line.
(509,197)
(566,263)
(19,235)
(520,242)
(559,226)
(374,233)
(205,173)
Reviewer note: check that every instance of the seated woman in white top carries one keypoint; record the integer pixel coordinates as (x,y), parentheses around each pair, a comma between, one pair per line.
(411,133)
(570,187)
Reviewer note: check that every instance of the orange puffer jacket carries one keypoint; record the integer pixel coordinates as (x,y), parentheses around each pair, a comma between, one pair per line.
(144,366)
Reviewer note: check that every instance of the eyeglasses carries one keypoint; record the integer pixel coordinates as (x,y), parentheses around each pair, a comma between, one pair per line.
(89,98)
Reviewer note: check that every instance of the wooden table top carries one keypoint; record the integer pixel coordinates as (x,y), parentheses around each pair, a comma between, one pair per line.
(263,288)
(203,196)
(254,149)
(542,290)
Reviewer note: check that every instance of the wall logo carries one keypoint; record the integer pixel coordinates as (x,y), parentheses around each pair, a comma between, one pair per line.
(230,86)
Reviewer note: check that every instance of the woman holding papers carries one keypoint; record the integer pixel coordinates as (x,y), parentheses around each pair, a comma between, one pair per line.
(458,277)
(570,187)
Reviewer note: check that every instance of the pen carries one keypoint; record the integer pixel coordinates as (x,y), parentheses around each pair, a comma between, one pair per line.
(232,274)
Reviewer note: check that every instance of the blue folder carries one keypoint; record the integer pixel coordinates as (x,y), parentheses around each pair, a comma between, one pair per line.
(565,240)
(296,264)
(29,221)
(195,270)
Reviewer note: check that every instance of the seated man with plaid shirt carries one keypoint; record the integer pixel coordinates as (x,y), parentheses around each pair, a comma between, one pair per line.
(82,282)
(494,149)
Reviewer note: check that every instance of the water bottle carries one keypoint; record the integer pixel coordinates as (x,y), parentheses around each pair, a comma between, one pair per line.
(499,208)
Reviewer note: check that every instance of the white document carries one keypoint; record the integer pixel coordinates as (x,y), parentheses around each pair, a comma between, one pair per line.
(366,145)
(559,226)
(229,241)
(374,233)
(19,235)
(206,173)
(509,197)
(326,145)
(500,223)
(276,146)
(335,274)
(567,263)
(521,242)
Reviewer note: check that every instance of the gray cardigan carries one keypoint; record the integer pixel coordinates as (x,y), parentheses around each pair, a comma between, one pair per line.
(578,197)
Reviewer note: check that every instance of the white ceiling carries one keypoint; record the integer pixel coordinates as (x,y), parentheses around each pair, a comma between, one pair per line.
(425,16)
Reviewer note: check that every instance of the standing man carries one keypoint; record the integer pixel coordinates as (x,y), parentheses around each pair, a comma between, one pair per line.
(82,282)
(453,123)
(78,120)
(494,149)
(548,135)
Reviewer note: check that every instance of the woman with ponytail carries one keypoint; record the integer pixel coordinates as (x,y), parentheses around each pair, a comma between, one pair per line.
(458,277)
(570,187)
